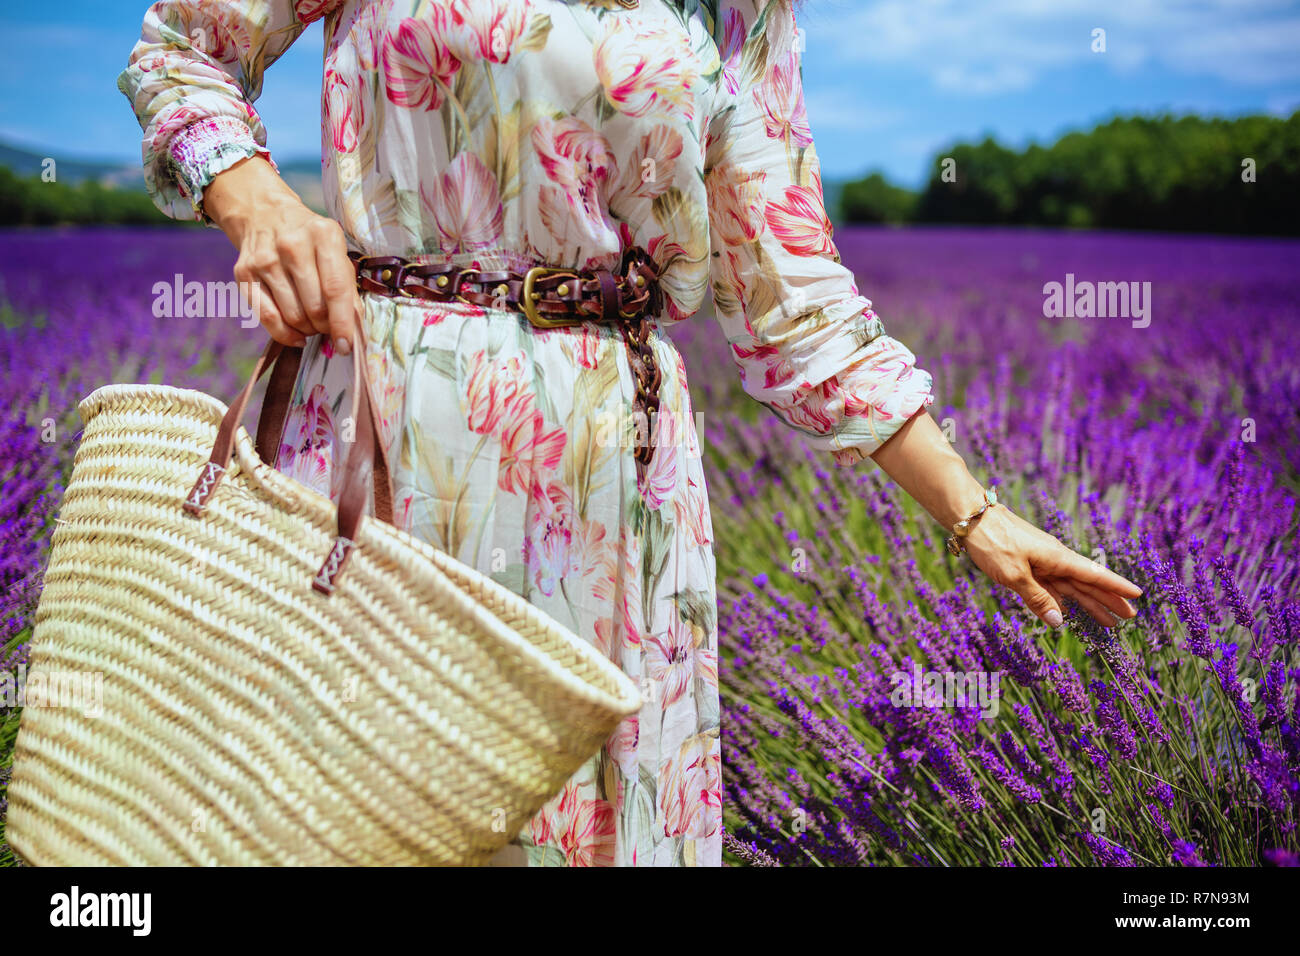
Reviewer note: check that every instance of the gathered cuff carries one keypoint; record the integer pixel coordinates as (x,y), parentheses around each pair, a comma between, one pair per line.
(206,148)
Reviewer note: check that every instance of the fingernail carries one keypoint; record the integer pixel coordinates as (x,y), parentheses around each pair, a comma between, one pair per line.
(342,346)
(1053,617)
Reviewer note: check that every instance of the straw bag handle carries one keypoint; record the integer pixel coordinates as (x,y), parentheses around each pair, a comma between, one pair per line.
(365,468)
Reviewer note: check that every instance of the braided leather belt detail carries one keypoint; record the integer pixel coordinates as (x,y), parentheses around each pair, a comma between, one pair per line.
(550,297)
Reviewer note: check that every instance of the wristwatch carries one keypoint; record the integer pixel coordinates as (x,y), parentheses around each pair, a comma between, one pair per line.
(962,528)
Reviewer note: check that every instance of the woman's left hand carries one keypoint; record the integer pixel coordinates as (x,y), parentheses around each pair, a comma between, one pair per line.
(1044,572)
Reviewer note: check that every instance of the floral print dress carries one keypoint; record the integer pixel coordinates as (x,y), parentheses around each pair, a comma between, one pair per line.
(508,133)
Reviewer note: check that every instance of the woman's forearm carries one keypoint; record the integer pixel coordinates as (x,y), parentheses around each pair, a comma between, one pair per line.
(922,462)
(1006,547)
(235,196)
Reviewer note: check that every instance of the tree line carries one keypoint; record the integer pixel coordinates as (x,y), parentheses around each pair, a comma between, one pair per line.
(1165,172)
(29,201)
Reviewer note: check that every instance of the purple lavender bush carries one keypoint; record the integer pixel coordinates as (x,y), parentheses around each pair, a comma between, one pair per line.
(1169,451)
(1165,447)
(76,312)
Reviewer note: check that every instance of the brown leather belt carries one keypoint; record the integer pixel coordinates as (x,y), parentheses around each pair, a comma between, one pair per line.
(550,298)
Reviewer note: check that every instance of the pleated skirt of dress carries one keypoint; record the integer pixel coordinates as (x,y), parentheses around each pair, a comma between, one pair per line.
(512,451)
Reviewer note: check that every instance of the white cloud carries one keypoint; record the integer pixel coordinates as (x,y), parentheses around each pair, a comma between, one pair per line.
(1002,46)
(833,110)
(1253,52)
(982,79)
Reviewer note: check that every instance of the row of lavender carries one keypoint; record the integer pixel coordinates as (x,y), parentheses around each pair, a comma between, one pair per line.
(77,310)
(1166,444)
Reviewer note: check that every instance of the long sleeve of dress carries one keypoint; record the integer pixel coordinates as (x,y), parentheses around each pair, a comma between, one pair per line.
(192,79)
(808,345)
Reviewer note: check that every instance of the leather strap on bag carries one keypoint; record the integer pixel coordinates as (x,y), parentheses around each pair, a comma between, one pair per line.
(365,470)
(275,404)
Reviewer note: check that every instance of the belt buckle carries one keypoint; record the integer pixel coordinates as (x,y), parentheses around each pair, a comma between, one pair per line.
(530,308)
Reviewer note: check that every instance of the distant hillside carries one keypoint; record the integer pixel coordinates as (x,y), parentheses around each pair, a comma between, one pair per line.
(25,162)
(302,175)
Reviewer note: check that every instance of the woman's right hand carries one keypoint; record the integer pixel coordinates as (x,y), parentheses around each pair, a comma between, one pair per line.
(295,261)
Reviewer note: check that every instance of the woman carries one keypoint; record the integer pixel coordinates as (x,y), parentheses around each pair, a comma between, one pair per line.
(508,134)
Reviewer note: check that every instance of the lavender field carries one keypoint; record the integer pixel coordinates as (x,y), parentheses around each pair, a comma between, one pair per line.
(1167,448)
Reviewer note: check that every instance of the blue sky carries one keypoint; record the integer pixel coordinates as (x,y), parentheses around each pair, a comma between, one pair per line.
(888,82)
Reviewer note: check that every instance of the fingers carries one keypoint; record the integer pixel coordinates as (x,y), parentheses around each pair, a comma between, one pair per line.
(282,333)
(1112,601)
(1071,564)
(1096,610)
(1051,589)
(1039,600)
(264,308)
(338,284)
(277,304)
(295,272)
(1054,587)
(316,257)
(287,301)
(305,280)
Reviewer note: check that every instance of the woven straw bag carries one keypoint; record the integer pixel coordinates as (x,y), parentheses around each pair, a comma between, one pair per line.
(391,706)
